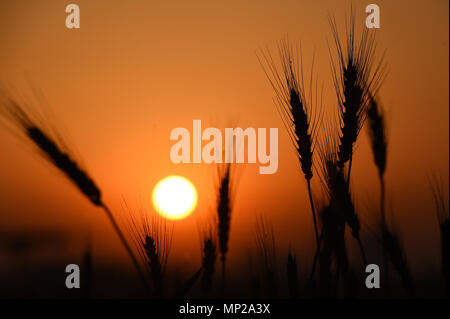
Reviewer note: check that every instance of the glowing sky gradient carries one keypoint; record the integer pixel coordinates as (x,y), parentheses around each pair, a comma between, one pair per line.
(137,69)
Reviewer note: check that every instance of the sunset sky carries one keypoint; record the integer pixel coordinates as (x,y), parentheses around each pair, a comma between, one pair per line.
(137,69)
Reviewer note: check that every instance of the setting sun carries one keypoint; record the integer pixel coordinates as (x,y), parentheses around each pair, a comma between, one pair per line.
(174,197)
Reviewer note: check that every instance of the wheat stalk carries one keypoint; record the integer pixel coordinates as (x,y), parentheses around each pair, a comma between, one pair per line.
(55,152)
(295,107)
(209,257)
(337,213)
(153,240)
(354,77)
(442,215)
(187,286)
(265,243)
(224,210)
(378,141)
(394,251)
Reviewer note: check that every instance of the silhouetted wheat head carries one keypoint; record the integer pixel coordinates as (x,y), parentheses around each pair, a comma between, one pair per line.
(354,77)
(299,110)
(51,148)
(378,142)
(209,258)
(295,107)
(338,212)
(335,185)
(24,119)
(153,239)
(224,211)
(377,134)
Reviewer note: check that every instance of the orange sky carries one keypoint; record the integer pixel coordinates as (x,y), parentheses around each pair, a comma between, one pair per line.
(137,69)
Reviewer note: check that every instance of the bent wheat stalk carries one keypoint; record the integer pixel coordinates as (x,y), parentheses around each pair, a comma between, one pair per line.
(55,152)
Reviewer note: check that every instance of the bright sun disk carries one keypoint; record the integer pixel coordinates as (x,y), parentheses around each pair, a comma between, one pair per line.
(174,197)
